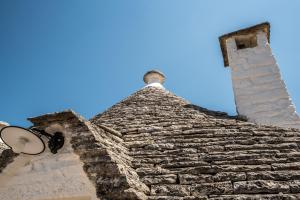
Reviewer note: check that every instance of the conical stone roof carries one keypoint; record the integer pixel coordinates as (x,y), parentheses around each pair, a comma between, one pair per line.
(182,151)
(155,145)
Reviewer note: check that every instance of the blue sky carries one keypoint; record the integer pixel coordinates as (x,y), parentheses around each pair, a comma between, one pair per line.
(88,55)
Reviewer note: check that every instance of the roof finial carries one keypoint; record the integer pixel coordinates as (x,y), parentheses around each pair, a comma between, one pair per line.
(154,78)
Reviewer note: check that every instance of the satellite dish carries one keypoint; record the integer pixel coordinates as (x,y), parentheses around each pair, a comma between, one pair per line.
(29,141)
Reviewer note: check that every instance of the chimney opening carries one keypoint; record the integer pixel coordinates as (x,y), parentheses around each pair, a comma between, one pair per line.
(246,41)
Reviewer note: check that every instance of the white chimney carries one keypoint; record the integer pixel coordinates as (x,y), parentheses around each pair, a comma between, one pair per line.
(260,93)
(154,78)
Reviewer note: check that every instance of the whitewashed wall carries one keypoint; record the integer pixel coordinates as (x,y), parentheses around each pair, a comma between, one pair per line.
(260,93)
(46,177)
(2,125)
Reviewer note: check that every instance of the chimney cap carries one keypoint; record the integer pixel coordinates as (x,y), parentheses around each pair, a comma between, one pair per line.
(265,27)
(154,76)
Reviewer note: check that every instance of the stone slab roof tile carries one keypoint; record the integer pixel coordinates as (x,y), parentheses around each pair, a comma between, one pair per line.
(105,159)
(155,145)
(183,151)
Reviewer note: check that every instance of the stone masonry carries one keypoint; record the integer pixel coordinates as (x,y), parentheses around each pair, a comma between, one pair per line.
(45,176)
(154,145)
(157,146)
(184,152)
(260,93)
(105,159)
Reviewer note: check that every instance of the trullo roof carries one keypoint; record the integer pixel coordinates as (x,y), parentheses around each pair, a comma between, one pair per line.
(155,145)
(182,151)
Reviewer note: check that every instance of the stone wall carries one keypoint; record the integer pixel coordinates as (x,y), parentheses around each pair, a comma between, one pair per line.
(184,152)
(46,176)
(93,164)
(105,159)
(260,93)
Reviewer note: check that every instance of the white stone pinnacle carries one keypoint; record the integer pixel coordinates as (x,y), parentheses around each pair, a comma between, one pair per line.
(154,78)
